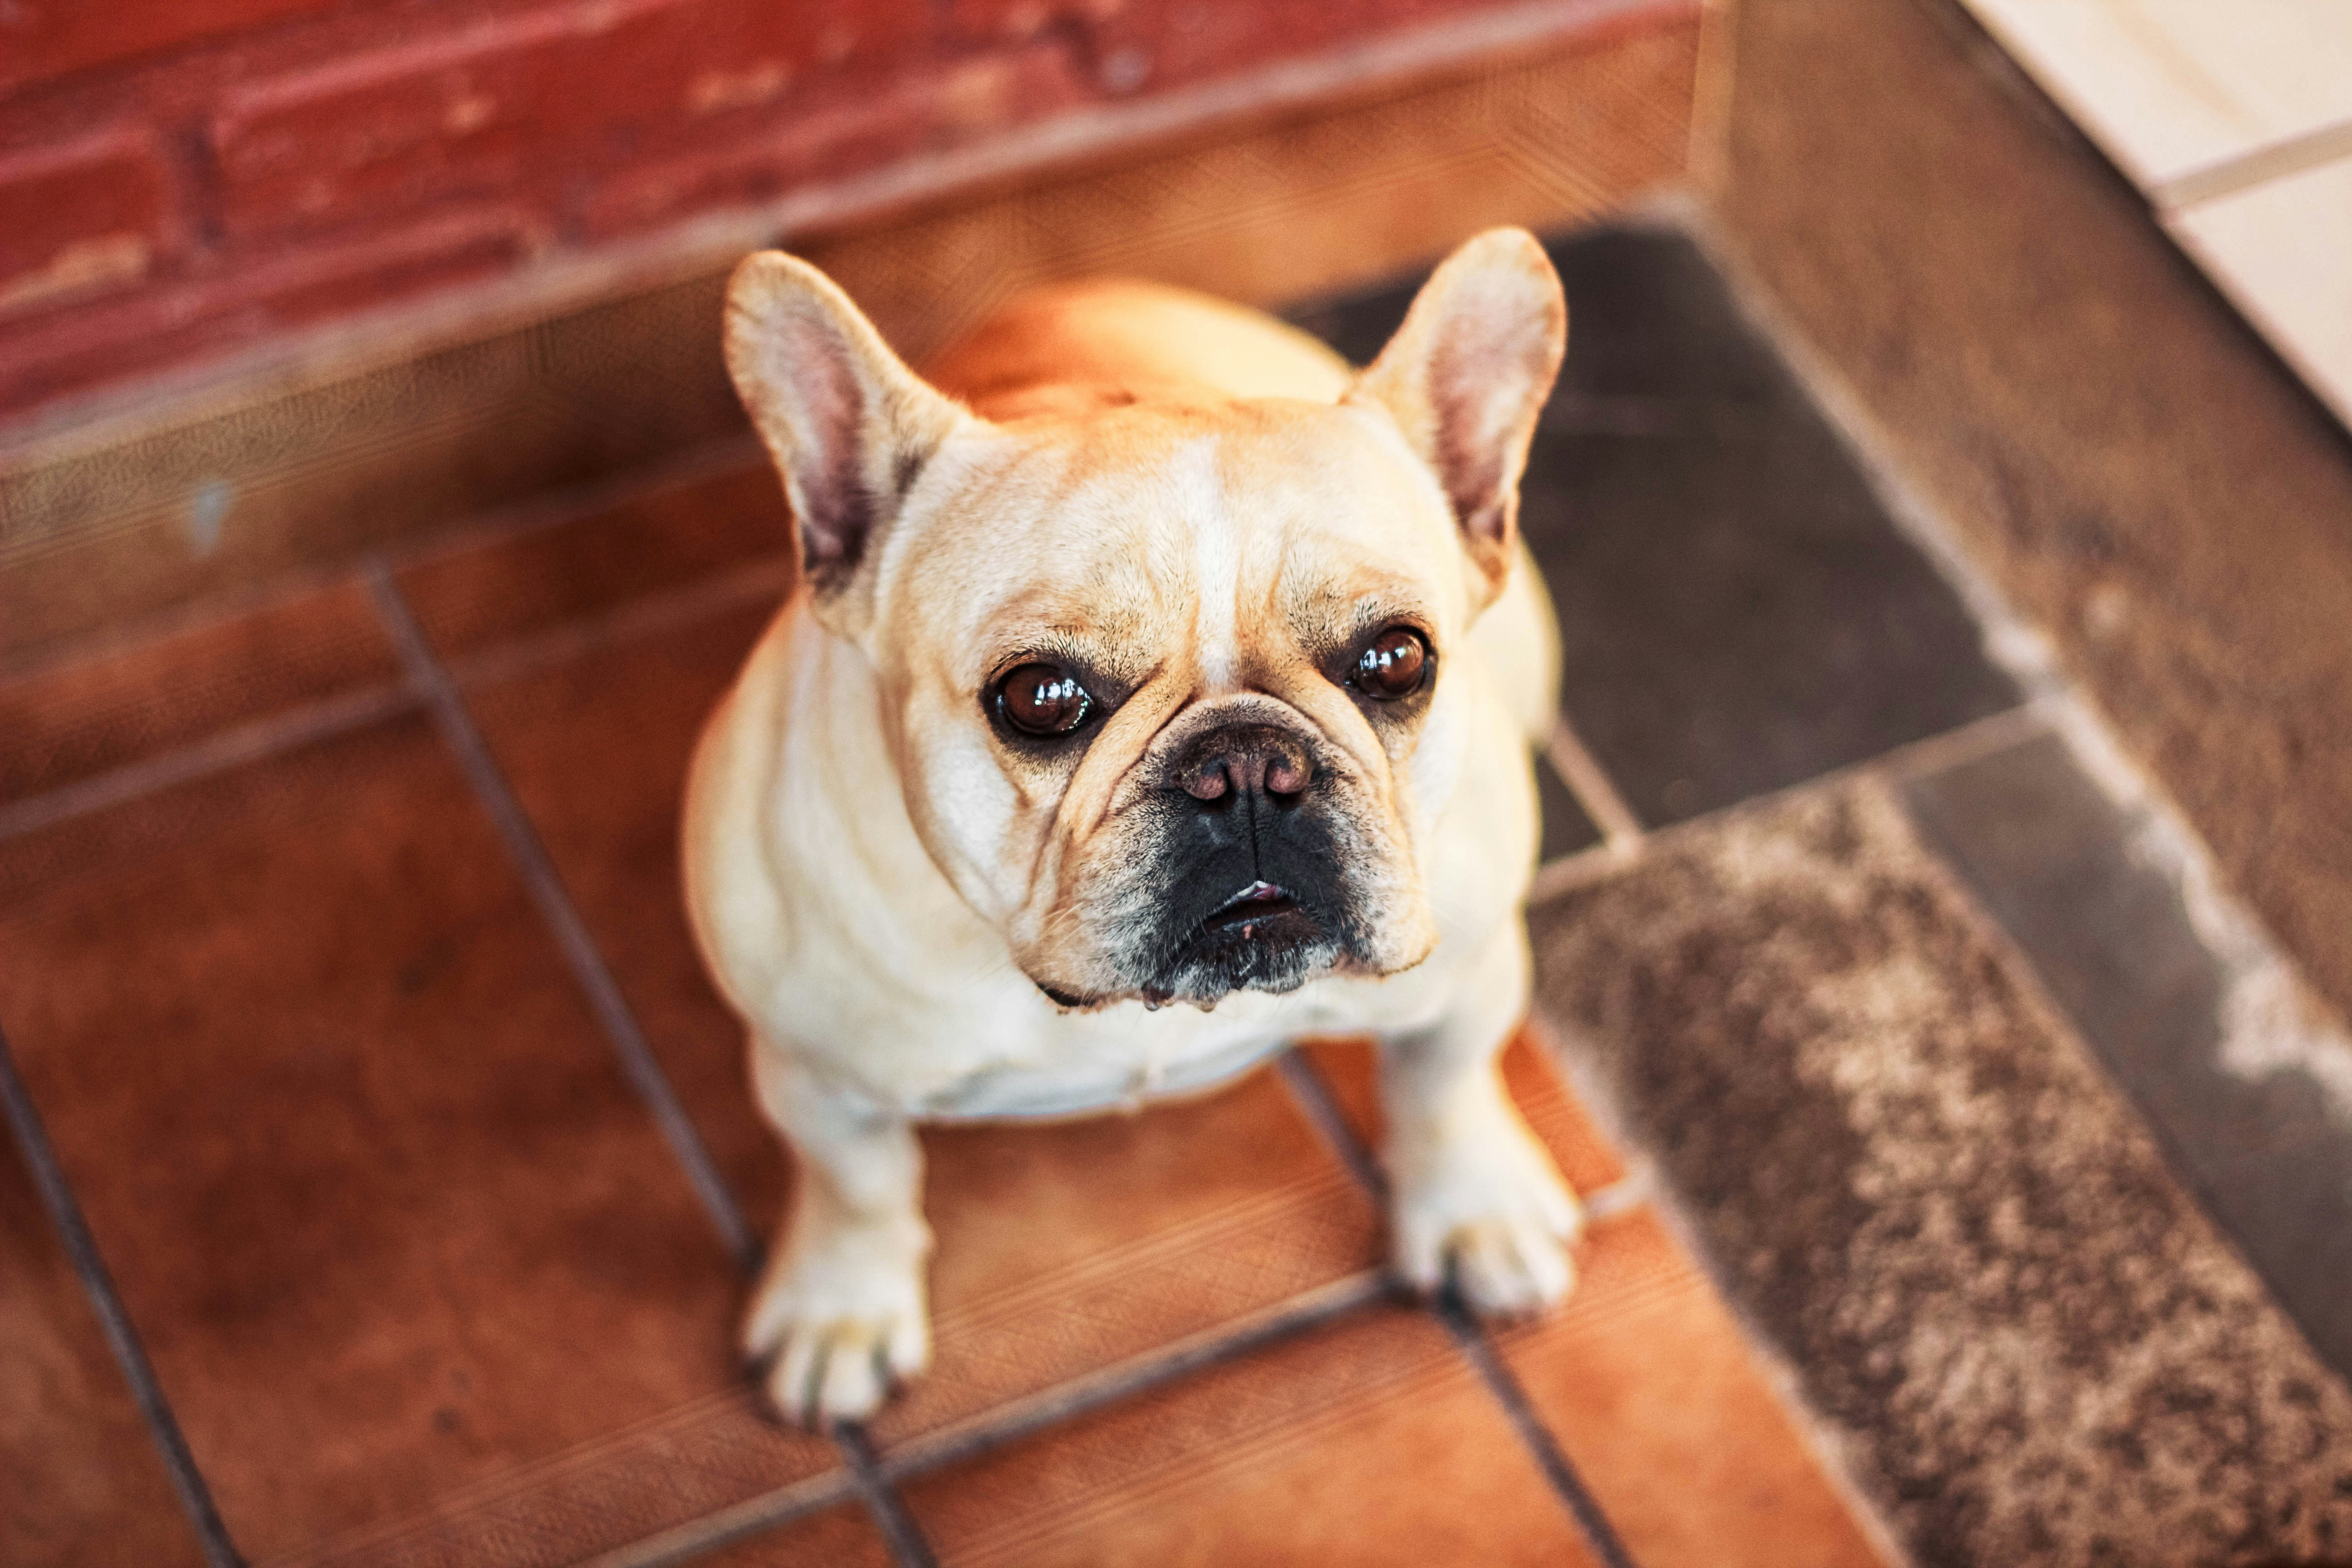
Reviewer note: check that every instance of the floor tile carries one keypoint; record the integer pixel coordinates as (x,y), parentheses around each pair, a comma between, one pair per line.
(1062,1248)
(2278,250)
(2015,1327)
(79,1481)
(2170,87)
(2054,860)
(1649,319)
(843,1536)
(1653,1394)
(1737,613)
(66,723)
(1350,1069)
(596,748)
(1644,321)
(1370,1442)
(471,596)
(1068,1248)
(390,1221)
(638,1480)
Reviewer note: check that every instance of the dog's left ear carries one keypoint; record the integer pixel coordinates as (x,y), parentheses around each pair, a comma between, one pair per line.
(1465,377)
(848,424)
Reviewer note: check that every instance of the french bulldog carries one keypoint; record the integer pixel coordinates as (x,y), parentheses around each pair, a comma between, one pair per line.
(1158,689)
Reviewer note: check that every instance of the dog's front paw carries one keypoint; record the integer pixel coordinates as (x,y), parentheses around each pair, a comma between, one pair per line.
(1494,1211)
(839,1321)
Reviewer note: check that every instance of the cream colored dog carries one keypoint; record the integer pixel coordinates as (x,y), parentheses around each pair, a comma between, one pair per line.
(1159,689)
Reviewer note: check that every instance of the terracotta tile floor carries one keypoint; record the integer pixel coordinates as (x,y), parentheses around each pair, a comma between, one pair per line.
(341,956)
(422,1282)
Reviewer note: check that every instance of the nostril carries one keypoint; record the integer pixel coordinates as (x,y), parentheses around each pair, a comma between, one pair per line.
(1236,766)
(1287,778)
(1207,784)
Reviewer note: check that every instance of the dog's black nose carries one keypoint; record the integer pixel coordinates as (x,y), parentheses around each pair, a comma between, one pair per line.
(1246,761)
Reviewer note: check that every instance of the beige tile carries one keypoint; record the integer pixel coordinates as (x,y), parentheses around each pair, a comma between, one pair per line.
(2280,251)
(2171,87)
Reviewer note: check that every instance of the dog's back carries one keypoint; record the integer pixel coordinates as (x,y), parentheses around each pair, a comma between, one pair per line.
(1063,347)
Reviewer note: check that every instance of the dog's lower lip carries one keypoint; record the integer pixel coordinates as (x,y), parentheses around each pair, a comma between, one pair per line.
(1256,893)
(1259,903)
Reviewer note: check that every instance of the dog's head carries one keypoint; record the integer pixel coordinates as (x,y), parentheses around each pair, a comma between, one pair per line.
(1167,682)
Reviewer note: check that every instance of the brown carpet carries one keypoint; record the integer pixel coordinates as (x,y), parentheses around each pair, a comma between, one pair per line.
(2024,1340)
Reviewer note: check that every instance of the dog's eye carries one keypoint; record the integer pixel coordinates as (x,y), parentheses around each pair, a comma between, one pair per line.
(1043,699)
(1394,666)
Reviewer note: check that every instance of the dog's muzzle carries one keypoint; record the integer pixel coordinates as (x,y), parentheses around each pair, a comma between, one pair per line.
(1254,884)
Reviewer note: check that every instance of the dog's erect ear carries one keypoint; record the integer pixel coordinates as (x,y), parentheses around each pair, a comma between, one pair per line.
(848,424)
(1465,377)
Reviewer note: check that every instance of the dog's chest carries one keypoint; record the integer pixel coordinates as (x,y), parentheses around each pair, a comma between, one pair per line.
(1124,1057)
(1095,1081)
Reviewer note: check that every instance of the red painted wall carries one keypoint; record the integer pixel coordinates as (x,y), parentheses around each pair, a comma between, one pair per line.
(181,179)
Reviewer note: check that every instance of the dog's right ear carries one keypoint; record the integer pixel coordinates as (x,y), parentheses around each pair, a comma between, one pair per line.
(848,424)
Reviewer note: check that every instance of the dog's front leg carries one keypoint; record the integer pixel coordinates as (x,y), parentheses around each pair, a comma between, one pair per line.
(839,1316)
(1470,1188)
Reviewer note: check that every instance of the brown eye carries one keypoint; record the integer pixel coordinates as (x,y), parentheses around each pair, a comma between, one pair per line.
(1393,667)
(1043,699)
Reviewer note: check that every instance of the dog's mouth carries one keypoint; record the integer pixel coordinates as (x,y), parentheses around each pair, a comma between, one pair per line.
(1250,940)
(1259,907)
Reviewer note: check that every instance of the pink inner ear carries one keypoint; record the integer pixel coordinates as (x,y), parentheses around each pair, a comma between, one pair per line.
(836,513)
(1485,380)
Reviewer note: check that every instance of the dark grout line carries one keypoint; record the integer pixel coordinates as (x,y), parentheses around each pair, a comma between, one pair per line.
(1976,738)
(432,681)
(1314,1097)
(322,717)
(1595,790)
(907,1547)
(1468,1337)
(1005,1424)
(1471,1338)
(215,753)
(760,583)
(1213,1347)
(726,1526)
(545,511)
(81,1247)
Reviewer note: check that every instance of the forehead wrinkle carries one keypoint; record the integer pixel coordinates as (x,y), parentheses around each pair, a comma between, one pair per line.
(1325,596)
